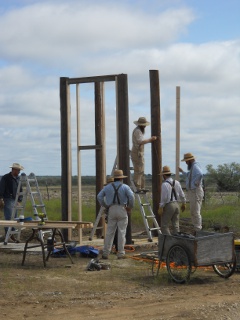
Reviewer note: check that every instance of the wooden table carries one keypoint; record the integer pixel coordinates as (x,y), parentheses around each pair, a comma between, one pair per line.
(38,233)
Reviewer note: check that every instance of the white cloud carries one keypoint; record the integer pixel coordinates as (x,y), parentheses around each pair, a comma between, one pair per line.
(43,41)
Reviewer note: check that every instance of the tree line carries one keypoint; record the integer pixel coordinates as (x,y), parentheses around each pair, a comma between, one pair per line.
(225,177)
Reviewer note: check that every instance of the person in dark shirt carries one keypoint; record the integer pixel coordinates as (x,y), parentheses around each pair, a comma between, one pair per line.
(8,191)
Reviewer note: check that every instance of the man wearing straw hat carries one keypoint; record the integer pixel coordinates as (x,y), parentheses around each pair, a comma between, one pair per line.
(169,209)
(118,198)
(8,191)
(137,152)
(194,188)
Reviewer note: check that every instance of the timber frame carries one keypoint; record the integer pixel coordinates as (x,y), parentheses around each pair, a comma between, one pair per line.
(122,114)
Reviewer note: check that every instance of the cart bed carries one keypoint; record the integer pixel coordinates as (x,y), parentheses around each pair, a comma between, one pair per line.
(207,248)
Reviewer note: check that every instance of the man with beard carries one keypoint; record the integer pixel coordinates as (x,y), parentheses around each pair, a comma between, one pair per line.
(195,193)
(137,152)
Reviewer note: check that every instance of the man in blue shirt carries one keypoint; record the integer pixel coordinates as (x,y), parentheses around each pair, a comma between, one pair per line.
(119,199)
(194,188)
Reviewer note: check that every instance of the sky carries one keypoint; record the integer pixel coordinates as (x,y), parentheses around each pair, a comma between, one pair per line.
(193,44)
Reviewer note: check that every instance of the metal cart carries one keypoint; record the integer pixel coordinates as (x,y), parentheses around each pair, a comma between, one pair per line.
(182,253)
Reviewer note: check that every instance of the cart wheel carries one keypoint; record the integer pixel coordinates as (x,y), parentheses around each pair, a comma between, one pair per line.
(225,270)
(178,264)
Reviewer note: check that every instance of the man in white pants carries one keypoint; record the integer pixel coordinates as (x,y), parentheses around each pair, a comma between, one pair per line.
(119,199)
(194,188)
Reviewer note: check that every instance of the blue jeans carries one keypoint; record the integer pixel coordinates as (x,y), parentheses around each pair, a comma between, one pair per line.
(8,206)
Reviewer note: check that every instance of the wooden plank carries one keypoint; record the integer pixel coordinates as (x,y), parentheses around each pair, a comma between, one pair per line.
(92,79)
(90,147)
(48,224)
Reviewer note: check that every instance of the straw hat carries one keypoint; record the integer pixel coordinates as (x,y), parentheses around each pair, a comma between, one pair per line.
(109,180)
(188,156)
(142,121)
(16,166)
(118,174)
(166,170)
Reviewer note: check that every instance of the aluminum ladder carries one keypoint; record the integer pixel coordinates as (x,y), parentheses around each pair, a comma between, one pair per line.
(145,205)
(27,186)
(101,213)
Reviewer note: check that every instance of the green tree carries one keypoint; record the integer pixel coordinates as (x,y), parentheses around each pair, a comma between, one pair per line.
(226,176)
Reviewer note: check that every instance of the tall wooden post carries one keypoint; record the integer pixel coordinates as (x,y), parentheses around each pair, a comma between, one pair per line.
(100,140)
(79,168)
(123,136)
(177,131)
(65,152)
(156,145)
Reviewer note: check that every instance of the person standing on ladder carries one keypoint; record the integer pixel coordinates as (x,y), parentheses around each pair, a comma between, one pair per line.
(169,209)
(8,190)
(137,152)
(119,199)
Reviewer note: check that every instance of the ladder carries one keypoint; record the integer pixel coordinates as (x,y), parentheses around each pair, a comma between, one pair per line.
(143,203)
(101,213)
(27,186)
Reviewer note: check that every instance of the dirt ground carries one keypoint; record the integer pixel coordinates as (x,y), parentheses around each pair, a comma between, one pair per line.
(128,290)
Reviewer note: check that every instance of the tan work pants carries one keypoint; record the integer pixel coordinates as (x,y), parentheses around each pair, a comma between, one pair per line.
(138,167)
(171,213)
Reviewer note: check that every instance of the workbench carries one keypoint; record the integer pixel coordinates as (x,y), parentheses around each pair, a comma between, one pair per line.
(38,231)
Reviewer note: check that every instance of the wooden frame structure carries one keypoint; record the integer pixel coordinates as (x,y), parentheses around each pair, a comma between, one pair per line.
(66,149)
(122,122)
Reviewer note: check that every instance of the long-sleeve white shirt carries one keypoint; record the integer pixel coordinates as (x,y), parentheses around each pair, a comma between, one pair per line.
(167,190)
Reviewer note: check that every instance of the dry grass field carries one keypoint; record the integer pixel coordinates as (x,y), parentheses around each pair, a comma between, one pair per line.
(128,290)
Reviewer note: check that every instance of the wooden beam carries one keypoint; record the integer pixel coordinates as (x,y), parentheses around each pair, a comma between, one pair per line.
(92,79)
(90,147)
(100,141)
(177,131)
(123,137)
(66,177)
(156,145)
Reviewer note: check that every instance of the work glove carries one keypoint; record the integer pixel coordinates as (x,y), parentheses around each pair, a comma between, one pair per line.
(160,211)
(1,203)
(183,207)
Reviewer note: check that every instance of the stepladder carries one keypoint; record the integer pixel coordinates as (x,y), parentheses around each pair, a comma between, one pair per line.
(101,214)
(27,188)
(149,218)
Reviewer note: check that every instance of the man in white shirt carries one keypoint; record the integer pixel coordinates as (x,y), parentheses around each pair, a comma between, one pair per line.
(137,152)
(169,209)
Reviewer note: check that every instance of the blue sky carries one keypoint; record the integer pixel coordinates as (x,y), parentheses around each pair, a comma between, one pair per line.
(193,44)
